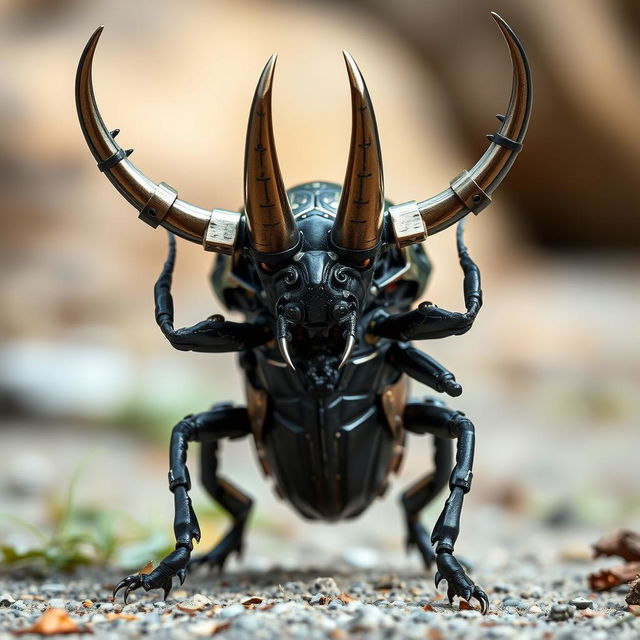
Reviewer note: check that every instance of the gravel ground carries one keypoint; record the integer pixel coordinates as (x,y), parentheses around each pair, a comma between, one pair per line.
(321,603)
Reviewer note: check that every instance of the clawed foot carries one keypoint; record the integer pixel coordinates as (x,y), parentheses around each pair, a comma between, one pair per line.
(419,537)
(458,582)
(216,558)
(160,578)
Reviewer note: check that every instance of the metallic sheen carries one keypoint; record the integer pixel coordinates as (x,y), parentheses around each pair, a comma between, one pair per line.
(406,221)
(221,231)
(183,218)
(271,223)
(359,218)
(442,210)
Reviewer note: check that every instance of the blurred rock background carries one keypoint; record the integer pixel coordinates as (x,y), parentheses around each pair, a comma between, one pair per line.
(551,368)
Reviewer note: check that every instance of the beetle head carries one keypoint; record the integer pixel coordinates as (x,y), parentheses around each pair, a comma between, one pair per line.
(317,297)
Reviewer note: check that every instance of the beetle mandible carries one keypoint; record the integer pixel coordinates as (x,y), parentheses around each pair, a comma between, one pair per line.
(325,277)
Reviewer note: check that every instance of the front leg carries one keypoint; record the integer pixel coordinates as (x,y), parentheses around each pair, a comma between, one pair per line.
(186,529)
(429,321)
(213,335)
(222,421)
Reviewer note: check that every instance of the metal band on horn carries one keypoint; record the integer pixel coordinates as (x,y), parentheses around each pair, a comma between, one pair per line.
(471,190)
(157,203)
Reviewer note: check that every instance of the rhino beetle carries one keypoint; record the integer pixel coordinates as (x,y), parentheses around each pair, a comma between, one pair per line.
(326,277)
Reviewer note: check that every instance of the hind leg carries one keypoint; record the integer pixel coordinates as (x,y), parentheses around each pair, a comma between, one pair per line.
(231,499)
(436,418)
(421,493)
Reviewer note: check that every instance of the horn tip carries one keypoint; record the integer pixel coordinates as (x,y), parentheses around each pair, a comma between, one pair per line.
(266,78)
(504,26)
(355,76)
(97,33)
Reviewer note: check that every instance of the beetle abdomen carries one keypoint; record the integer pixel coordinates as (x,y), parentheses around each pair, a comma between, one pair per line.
(336,464)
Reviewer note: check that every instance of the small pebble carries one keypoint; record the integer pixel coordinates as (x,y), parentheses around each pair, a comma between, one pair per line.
(561,612)
(535,609)
(6,600)
(582,603)
(514,602)
(367,618)
(327,586)
(533,592)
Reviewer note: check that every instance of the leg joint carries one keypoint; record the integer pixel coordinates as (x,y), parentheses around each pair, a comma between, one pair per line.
(188,427)
(459,424)
(462,479)
(181,479)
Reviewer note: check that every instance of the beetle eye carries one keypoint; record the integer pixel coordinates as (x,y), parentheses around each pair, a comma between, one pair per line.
(293,312)
(340,310)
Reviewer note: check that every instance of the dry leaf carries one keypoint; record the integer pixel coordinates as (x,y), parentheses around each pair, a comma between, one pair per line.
(266,607)
(623,543)
(465,606)
(120,616)
(52,622)
(252,601)
(87,604)
(427,607)
(146,570)
(434,634)
(345,598)
(196,603)
(221,627)
(614,576)
(633,597)
(338,634)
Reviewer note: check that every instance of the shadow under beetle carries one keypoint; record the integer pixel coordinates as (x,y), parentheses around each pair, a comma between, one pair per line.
(325,277)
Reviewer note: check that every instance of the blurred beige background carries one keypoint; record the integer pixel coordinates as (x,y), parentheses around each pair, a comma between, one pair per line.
(551,368)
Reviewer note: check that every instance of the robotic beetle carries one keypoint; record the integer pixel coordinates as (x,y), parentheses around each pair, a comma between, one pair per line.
(325,277)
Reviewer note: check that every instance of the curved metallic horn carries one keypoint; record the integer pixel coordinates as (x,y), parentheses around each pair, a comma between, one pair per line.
(359,219)
(271,223)
(470,190)
(157,203)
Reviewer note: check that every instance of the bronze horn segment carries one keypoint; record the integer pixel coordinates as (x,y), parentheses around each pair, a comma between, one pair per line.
(471,190)
(157,203)
(272,227)
(359,219)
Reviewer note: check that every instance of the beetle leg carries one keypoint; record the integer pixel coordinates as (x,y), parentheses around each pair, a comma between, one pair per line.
(436,418)
(424,368)
(419,494)
(222,421)
(429,321)
(231,499)
(213,335)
